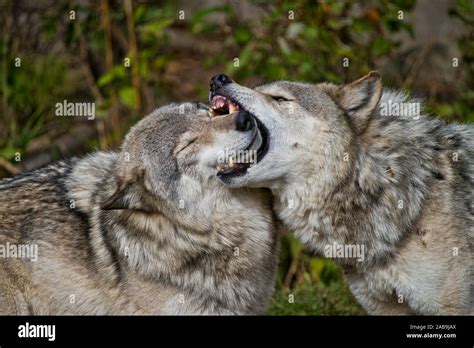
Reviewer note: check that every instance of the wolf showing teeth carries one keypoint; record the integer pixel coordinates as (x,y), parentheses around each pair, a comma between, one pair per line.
(347,171)
(147,230)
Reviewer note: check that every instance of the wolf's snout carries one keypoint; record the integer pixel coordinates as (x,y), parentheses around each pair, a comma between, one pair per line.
(244,121)
(218,81)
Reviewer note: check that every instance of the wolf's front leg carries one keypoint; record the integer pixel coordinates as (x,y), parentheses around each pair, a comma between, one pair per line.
(376,298)
(375,306)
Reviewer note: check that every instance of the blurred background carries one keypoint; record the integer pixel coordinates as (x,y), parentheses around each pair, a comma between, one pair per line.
(129,57)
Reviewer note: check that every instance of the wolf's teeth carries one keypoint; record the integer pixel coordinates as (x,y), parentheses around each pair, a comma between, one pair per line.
(233,108)
(219,168)
(231,163)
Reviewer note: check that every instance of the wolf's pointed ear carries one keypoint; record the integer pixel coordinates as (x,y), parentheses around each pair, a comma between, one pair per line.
(117,199)
(360,98)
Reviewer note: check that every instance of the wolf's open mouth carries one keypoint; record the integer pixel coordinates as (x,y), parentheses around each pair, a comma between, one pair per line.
(222,106)
(253,153)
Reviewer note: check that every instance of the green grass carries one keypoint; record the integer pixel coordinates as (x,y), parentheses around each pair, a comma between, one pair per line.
(316,299)
(309,285)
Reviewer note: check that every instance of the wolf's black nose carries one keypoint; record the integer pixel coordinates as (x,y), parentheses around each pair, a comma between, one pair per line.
(244,121)
(218,81)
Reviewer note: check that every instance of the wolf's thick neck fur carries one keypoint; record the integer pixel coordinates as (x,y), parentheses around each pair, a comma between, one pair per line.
(372,191)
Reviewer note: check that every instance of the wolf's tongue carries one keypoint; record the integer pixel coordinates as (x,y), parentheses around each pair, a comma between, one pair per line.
(218,102)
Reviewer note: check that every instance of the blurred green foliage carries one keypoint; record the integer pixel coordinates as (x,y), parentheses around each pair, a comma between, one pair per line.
(464,106)
(29,106)
(308,40)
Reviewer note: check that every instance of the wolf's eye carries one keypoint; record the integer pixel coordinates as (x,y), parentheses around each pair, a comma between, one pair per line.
(279,99)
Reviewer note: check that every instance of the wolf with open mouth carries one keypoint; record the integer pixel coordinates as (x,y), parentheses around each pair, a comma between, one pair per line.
(253,146)
(145,230)
(345,173)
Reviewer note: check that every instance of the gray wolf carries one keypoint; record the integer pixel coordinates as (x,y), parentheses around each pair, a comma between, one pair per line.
(146,230)
(361,174)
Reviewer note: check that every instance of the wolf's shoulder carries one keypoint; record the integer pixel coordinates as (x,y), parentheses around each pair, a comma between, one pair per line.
(50,191)
(54,179)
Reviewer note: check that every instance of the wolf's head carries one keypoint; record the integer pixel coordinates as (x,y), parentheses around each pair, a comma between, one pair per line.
(167,163)
(171,219)
(297,123)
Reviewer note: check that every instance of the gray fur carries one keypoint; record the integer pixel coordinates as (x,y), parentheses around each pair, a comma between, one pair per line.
(342,171)
(148,230)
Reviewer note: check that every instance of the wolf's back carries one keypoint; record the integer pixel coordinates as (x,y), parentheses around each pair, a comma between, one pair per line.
(35,208)
(37,192)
